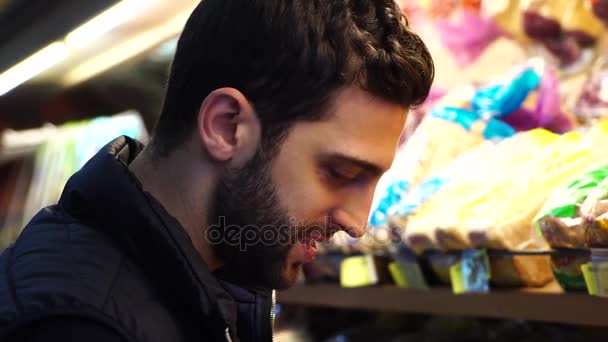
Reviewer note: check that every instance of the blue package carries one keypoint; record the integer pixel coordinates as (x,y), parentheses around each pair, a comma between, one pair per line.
(398,201)
(500,100)
(475,271)
(463,117)
(394,193)
(506,98)
(494,130)
(419,195)
(497,130)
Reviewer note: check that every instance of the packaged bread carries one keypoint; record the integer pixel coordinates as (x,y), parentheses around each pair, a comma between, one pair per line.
(576,216)
(516,269)
(472,180)
(430,149)
(493,204)
(505,220)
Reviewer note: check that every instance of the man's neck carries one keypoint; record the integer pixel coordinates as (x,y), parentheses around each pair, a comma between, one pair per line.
(184,192)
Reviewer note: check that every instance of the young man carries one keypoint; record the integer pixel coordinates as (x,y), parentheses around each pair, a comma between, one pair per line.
(280,116)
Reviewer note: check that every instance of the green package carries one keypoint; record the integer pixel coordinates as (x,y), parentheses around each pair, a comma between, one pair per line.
(564,202)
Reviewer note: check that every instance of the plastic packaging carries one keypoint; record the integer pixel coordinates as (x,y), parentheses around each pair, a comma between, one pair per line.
(425,153)
(386,205)
(600,9)
(491,129)
(567,268)
(530,100)
(500,100)
(493,195)
(567,29)
(467,38)
(592,104)
(548,113)
(510,19)
(472,275)
(579,22)
(539,23)
(575,216)
(438,222)
(596,273)
(520,269)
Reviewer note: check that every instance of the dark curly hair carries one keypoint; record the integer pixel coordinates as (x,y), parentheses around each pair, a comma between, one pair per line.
(289,58)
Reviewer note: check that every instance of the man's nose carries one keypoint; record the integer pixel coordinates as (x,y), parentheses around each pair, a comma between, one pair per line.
(351,224)
(353,212)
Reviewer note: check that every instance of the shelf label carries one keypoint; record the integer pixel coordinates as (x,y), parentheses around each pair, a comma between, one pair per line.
(407,274)
(472,273)
(456,277)
(357,271)
(596,278)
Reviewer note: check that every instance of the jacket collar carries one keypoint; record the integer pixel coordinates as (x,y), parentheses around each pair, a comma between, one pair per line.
(107,196)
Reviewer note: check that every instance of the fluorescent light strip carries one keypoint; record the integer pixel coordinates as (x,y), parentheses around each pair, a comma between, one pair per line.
(80,37)
(86,34)
(105,22)
(32,66)
(126,50)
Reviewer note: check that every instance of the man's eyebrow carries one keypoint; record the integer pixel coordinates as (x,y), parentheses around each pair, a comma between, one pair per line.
(337,157)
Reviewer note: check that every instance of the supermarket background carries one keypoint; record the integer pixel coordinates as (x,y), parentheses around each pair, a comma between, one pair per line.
(490,225)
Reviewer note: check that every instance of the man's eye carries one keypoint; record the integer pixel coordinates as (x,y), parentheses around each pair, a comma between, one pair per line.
(345,174)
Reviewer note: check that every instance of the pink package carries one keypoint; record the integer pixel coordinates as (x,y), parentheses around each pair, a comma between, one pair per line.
(468,38)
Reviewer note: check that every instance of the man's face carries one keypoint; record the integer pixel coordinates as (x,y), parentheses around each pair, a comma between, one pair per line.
(321,179)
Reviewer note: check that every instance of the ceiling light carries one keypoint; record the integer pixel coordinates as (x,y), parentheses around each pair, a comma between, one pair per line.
(126,50)
(105,22)
(32,66)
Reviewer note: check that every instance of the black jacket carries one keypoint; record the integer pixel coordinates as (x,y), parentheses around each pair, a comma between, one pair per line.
(109,254)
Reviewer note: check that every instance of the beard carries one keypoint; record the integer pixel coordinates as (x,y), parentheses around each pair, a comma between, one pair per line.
(249,229)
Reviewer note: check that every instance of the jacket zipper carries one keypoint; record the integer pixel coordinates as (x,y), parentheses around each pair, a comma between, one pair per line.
(227,335)
(273,314)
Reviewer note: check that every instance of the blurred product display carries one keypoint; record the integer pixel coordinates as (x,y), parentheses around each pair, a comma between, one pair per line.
(592,105)
(501,184)
(47,157)
(566,32)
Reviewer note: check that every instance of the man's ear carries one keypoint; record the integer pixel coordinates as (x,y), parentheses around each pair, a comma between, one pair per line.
(228,127)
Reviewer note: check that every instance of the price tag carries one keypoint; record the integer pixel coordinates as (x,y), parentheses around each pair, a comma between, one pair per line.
(589,279)
(357,271)
(596,278)
(601,275)
(407,274)
(456,277)
(472,273)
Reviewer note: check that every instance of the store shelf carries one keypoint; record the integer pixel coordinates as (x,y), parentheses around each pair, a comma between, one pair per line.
(548,304)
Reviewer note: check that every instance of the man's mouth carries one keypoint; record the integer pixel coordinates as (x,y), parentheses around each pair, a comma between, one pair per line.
(310,248)
(309,239)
